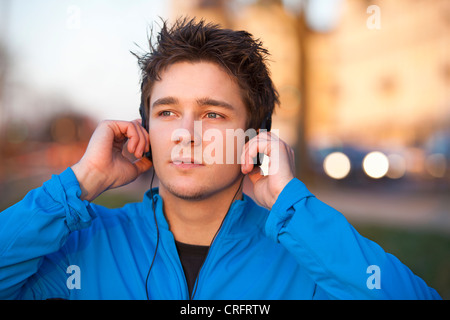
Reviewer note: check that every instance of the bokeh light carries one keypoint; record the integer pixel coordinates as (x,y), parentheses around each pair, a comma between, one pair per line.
(376,164)
(436,165)
(397,166)
(337,165)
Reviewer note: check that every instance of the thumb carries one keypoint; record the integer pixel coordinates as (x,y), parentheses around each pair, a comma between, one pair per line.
(143,164)
(255,174)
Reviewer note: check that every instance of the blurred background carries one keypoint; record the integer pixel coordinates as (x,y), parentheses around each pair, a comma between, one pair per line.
(365,101)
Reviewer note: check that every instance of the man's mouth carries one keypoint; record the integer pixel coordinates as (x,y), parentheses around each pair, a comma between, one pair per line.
(185,163)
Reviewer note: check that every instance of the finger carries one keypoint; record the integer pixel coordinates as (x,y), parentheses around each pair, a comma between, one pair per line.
(141,145)
(255,175)
(145,134)
(269,147)
(246,166)
(124,130)
(131,131)
(142,165)
(133,137)
(257,144)
(247,160)
(254,148)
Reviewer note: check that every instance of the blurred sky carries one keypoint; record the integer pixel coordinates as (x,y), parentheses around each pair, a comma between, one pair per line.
(80,50)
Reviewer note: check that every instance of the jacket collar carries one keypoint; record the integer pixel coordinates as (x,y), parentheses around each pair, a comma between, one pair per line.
(243,217)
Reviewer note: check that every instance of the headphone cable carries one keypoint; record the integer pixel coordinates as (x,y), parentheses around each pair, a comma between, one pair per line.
(157,235)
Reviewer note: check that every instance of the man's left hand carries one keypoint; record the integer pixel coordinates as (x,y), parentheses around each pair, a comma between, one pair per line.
(281,167)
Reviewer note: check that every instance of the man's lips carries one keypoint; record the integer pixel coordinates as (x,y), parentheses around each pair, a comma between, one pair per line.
(185,163)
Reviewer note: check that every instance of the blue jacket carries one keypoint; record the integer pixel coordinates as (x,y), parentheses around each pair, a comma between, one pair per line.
(53,245)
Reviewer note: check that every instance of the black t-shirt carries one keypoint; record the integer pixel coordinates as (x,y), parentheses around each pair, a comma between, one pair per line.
(192,258)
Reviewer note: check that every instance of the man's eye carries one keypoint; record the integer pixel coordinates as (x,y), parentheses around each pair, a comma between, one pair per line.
(213,115)
(166,113)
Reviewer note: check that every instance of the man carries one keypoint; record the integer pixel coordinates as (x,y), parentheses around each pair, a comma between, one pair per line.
(197,236)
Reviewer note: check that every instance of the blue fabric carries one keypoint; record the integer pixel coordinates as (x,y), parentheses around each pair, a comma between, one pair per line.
(302,249)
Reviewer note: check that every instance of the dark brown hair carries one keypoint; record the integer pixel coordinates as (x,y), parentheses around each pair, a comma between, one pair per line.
(237,52)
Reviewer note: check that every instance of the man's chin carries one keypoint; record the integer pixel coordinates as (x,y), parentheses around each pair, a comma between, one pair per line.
(187,193)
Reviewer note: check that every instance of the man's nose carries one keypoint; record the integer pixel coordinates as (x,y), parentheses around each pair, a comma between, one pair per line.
(190,131)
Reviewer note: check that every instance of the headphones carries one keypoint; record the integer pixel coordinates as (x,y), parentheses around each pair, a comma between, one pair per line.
(265,125)
(144,117)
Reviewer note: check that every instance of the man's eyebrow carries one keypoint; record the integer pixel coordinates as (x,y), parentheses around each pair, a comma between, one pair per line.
(203,102)
(165,101)
(216,103)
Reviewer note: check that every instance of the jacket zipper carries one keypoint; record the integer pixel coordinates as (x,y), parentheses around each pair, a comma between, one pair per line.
(213,241)
(179,267)
(194,289)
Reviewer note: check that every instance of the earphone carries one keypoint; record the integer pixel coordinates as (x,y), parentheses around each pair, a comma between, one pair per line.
(144,118)
(265,125)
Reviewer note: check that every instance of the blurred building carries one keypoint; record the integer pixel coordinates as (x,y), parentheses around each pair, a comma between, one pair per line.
(29,150)
(210,10)
(278,29)
(377,76)
(380,85)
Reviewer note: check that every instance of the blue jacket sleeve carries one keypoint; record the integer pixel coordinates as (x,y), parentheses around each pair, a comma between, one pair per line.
(31,234)
(342,263)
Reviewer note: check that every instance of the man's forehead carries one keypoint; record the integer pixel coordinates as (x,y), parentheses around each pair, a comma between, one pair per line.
(201,79)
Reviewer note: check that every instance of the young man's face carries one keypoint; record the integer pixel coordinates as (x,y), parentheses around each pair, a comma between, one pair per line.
(191,108)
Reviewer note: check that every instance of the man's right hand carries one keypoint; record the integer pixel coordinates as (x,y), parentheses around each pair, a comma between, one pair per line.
(104,166)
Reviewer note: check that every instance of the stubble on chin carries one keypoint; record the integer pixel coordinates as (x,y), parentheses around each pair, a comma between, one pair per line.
(184,193)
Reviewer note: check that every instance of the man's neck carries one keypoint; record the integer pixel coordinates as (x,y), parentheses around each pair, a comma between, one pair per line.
(197,221)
